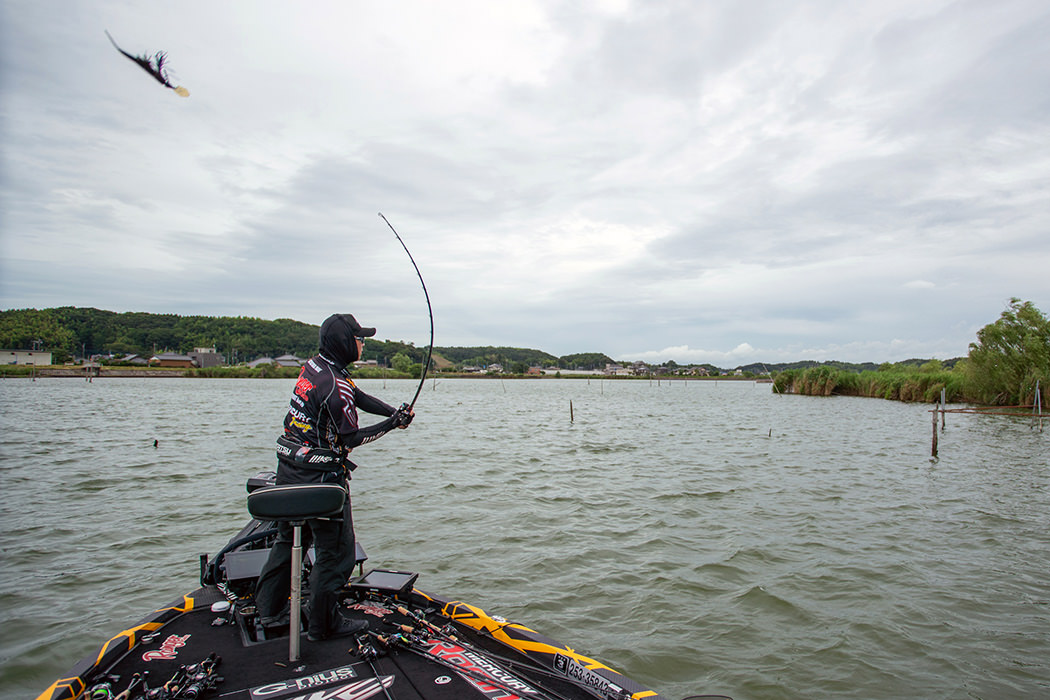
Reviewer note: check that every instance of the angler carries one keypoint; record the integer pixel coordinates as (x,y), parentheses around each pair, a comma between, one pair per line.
(315,448)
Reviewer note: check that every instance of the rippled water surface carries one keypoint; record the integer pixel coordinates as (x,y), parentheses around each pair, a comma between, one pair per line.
(698,536)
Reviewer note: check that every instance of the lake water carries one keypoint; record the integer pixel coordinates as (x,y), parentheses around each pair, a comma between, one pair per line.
(698,536)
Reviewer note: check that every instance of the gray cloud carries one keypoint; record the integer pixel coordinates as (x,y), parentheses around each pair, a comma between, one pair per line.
(751,180)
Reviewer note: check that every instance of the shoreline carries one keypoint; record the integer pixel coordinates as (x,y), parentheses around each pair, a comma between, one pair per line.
(93,372)
(166,372)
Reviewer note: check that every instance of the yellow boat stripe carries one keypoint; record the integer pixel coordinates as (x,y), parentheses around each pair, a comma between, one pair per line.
(476,618)
(123,641)
(129,636)
(63,684)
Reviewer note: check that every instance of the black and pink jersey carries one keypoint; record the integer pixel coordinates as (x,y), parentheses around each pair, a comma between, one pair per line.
(322,412)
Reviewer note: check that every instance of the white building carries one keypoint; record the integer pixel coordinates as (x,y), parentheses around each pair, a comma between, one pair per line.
(24,357)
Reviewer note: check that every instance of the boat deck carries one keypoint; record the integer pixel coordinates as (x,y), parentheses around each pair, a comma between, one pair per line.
(188,650)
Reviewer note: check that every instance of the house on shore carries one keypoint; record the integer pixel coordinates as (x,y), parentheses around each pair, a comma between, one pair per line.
(24,357)
(206,357)
(282,361)
(172,359)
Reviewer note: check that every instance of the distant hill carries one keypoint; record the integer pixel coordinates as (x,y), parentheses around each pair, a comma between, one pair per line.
(585,360)
(70,331)
(488,355)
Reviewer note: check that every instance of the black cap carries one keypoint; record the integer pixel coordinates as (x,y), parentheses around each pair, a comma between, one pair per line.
(356,328)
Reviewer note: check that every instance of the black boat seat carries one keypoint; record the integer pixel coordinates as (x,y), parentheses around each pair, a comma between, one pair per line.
(294,502)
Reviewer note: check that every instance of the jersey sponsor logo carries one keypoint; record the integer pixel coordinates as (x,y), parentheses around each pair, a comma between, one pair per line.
(478,665)
(315,680)
(571,668)
(304,386)
(169,649)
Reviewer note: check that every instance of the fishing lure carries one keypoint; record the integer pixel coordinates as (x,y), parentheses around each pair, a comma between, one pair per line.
(154,65)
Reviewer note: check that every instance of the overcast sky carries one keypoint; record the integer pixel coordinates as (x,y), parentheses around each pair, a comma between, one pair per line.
(725,182)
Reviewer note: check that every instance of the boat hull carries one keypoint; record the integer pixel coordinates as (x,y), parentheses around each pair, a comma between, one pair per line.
(419,646)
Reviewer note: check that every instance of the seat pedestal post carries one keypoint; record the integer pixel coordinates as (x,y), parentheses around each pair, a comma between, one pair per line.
(295,611)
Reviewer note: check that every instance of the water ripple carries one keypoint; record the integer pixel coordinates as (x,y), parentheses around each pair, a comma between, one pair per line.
(699,536)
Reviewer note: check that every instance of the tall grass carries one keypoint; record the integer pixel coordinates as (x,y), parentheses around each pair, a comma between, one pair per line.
(900,384)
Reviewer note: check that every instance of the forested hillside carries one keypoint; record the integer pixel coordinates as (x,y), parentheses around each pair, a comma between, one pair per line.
(1008,365)
(483,356)
(70,331)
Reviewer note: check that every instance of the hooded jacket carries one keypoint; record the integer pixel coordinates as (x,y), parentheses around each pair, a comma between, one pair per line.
(322,413)
(338,339)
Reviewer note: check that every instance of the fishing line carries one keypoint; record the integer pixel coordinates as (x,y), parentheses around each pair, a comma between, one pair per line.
(430,311)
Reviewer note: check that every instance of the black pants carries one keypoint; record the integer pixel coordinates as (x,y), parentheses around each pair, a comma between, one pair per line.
(335,556)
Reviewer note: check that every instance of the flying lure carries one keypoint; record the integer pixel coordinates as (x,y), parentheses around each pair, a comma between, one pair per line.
(154,65)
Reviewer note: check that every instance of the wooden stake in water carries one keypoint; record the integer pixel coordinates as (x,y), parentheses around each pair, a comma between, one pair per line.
(943,407)
(1038,407)
(571,419)
(933,452)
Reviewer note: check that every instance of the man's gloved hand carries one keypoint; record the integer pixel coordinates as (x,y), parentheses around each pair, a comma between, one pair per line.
(403,416)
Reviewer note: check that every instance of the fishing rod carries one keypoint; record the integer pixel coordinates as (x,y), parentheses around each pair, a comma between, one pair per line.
(369,653)
(430,311)
(448,634)
(512,685)
(506,664)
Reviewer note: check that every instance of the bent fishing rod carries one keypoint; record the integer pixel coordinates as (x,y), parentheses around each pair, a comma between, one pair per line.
(430,312)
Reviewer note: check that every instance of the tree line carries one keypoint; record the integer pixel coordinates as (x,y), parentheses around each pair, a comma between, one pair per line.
(69,331)
(518,360)
(1008,365)
(1008,360)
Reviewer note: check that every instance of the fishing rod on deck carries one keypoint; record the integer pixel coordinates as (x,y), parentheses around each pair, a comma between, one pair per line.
(430,312)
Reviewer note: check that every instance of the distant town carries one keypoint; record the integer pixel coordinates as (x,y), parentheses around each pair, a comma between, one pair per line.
(94,338)
(209,358)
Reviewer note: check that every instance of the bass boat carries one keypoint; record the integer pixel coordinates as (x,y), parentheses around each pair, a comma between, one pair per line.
(418,646)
